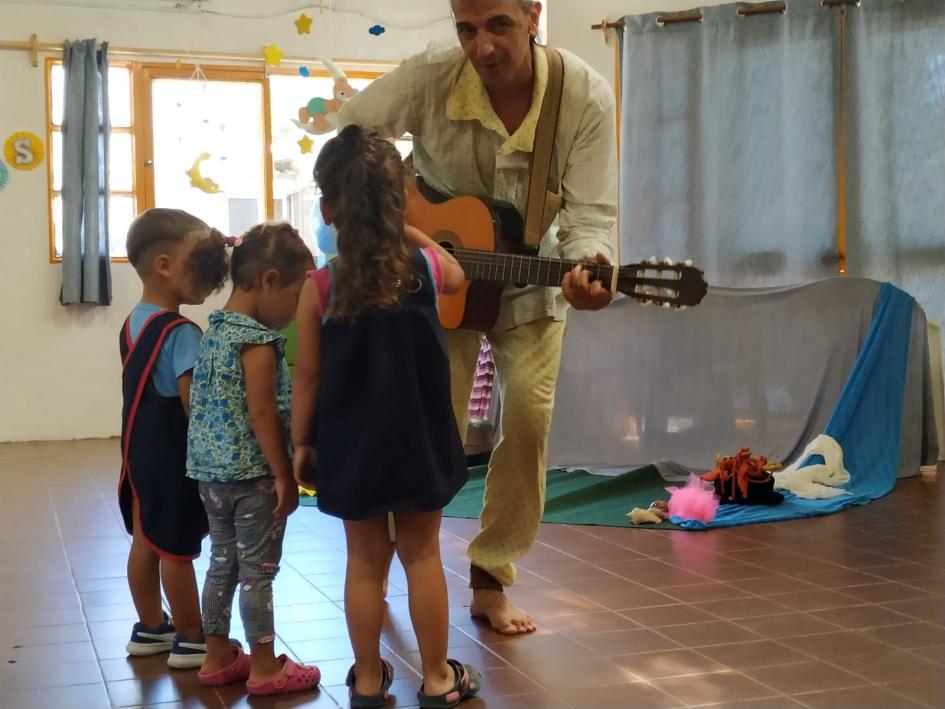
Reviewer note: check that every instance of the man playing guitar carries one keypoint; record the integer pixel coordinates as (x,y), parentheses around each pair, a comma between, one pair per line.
(473,114)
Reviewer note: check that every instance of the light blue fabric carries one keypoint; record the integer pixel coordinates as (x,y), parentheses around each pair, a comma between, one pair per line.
(86,273)
(221,444)
(178,353)
(866,422)
(727,141)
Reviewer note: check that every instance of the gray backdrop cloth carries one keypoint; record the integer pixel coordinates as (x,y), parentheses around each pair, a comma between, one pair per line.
(761,368)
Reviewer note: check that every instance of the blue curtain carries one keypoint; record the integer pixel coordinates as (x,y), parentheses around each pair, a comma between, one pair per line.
(894,106)
(86,274)
(728,132)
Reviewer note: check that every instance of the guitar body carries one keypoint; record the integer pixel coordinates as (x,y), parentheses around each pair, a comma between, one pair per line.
(468,223)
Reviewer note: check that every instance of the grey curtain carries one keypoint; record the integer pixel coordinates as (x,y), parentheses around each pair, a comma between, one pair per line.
(728,128)
(894,106)
(86,276)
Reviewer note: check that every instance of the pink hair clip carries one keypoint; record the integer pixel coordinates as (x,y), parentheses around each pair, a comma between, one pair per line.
(232,241)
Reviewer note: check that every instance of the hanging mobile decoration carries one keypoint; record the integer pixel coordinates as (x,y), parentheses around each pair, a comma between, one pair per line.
(303,25)
(273,55)
(305,144)
(23,150)
(4,175)
(201,182)
(320,115)
(377,30)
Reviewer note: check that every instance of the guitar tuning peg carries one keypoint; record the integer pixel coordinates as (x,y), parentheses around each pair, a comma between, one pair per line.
(652,260)
(668,261)
(682,307)
(687,262)
(667,305)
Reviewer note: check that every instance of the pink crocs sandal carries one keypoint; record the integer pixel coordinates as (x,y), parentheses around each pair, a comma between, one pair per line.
(236,671)
(293,678)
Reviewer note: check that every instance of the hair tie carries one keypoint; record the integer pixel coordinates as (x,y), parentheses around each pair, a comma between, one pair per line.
(232,241)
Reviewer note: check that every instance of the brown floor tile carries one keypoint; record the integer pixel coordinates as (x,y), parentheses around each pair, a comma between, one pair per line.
(930,609)
(577,624)
(662,616)
(713,632)
(820,599)
(928,690)
(759,653)
(892,665)
(935,653)
(861,617)
(836,646)
(613,605)
(703,592)
(37,674)
(638,695)
(809,676)
(713,688)
(86,696)
(750,607)
(871,697)
(884,591)
(667,663)
(787,625)
(909,635)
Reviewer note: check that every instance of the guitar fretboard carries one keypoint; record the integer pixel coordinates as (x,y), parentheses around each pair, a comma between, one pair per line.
(522,269)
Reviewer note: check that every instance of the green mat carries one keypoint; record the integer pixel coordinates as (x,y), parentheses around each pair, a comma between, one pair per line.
(575,497)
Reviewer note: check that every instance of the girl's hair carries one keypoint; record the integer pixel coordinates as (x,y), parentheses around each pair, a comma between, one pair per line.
(159,227)
(271,245)
(361,177)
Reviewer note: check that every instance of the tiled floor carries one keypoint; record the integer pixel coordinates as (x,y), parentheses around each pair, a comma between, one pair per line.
(841,611)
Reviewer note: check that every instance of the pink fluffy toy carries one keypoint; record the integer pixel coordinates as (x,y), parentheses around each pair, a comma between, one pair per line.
(696,500)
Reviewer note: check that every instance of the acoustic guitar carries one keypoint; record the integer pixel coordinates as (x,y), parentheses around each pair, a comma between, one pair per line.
(487,241)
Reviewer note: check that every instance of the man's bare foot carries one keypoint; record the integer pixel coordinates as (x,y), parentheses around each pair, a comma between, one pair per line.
(502,615)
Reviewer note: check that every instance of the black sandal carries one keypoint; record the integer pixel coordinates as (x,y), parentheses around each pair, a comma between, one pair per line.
(371,701)
(468,682)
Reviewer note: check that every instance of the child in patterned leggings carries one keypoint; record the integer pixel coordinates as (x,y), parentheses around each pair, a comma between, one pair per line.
(238,450)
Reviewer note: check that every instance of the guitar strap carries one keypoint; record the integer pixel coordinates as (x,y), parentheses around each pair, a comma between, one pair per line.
(538,216)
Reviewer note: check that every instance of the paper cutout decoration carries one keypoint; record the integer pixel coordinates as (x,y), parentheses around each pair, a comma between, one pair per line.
(320,115)
(377,30)
(305,144)
(273,55)
(303,70)
(4,175)
(303,25)
(23,150)
(204,184)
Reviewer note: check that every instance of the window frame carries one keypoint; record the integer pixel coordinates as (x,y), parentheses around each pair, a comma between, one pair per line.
(142,129)
(51,128)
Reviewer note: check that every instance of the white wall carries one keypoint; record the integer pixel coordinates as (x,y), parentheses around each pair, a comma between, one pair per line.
(59,368)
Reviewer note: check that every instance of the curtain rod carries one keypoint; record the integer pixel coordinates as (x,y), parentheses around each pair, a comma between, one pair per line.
(768,8)
(34,47)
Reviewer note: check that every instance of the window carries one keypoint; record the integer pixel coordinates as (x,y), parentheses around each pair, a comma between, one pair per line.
(219,142)
(294,189)
(121,166)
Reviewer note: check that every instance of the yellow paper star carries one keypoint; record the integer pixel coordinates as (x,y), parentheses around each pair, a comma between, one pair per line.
(273,55)
(306,144)
(303,25)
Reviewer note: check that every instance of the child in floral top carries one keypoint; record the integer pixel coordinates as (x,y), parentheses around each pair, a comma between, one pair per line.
(238,448)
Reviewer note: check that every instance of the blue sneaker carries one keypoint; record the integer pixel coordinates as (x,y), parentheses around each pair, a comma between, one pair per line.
(186,655)
(151,641)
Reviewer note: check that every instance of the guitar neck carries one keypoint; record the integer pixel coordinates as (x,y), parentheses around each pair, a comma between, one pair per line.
(522,269)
